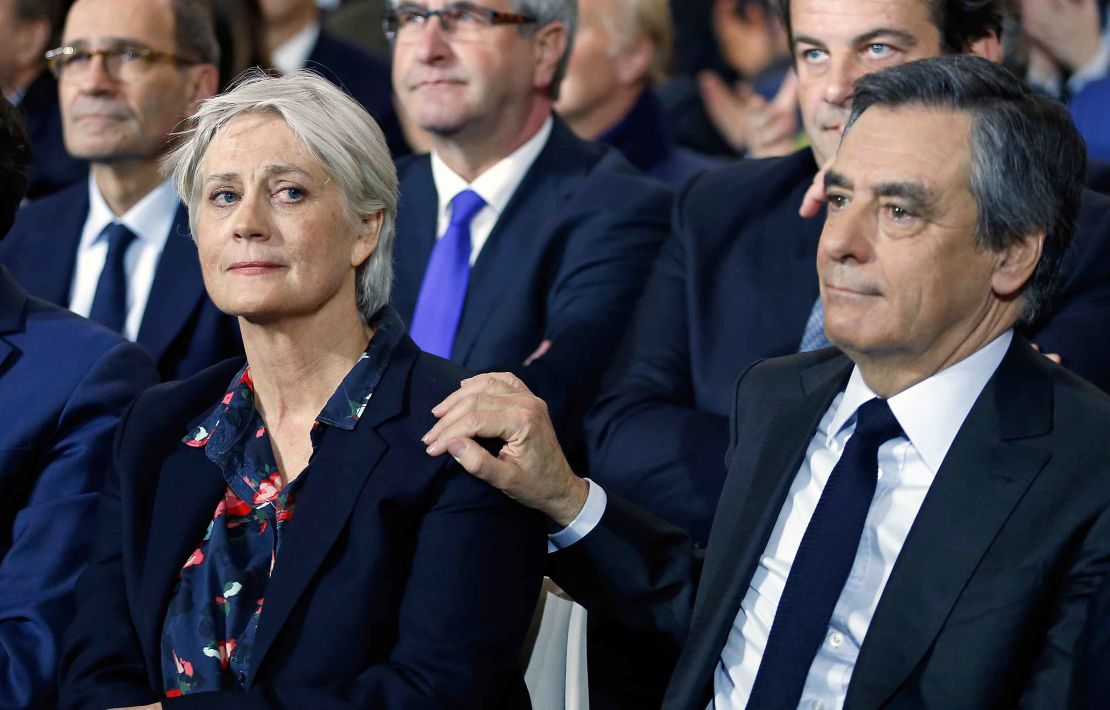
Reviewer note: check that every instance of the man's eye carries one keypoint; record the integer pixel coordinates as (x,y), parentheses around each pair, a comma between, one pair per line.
(836,201)
(78,57)
(129,54)
(899,214)
(813,55)
(879,50)
(411,17)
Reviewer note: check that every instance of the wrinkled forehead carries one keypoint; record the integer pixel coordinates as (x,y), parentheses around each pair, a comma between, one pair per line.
(849,22)
(98,23)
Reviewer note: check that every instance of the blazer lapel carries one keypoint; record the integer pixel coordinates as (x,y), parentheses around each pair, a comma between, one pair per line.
(528,221)
(189,489)
(13,300)
(983,477)
(339,470)
(176,292)
(760,475)
(416,234)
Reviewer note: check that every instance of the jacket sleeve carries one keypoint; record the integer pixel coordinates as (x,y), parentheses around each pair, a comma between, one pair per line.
(52,532)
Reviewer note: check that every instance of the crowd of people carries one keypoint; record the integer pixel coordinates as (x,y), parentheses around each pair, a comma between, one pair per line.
(774,332)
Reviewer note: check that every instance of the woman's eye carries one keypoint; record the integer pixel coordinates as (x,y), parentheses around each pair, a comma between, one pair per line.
(293,194)
(224,197)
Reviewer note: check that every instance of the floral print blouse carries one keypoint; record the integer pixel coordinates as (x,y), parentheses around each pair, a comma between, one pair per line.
(214,611)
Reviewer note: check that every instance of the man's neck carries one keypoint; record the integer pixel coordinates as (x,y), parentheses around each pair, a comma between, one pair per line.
(592,124)
(278,33)
(471,155)
(123,185)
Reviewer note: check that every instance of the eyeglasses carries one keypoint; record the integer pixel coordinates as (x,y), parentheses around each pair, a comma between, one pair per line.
(462,21)
(123,62)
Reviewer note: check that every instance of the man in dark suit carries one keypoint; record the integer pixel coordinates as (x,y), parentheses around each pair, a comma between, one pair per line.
(519,246)
(919,521)
(736,281)
(622,49)
(116,247)
(27,30)
(64,382)
(296,40)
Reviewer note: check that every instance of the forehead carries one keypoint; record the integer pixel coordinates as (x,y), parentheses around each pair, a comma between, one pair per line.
(260,137)
(841,21)
(147,21)
(931,147)
(499,5)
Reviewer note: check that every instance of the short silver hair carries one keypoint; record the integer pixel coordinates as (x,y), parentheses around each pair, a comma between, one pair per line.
(335,130)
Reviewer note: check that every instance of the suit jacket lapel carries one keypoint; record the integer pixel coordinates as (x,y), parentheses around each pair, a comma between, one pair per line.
(13,300)
(417,219)
(983,477)
(189,489)
(761,472)
(527,221)
(339,470)
(177,290)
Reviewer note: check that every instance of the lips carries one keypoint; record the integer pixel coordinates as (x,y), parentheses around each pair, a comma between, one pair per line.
(254,268)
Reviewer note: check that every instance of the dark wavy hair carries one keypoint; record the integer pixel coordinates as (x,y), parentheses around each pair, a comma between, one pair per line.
(15,156)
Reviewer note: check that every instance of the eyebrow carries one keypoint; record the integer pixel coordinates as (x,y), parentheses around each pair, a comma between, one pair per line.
(919,198)
(868,37)
(835,179)
(269,171)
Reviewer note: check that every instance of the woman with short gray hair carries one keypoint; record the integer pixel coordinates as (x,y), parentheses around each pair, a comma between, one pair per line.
(273,531)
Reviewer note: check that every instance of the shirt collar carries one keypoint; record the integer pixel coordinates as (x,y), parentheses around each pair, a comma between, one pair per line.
(932,411)
(293,53)
(497,184)
(225,426)
(150,218)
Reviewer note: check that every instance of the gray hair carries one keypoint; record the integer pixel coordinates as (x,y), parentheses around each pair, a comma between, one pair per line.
(334,129)
(546,12)
(1028,161)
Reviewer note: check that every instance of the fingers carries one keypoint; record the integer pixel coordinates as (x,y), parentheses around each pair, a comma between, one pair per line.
(786,99)
(477,461)
(539,352)
(815,196)
(490,382)
(479,414)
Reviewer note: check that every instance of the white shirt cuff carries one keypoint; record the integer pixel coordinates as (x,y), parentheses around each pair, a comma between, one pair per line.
(586,520)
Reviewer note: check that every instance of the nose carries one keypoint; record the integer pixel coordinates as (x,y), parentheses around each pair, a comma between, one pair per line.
(840,81)
(250,220)
(95,79)
(431,43)
(846,237)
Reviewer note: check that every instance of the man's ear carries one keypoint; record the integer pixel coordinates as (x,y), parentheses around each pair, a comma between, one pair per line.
(987,47)
(551,45)
(634,62)
(32,41)
(204,83)
(1016,264)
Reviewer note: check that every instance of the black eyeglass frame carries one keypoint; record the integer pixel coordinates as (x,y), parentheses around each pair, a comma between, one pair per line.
(391,24)
(58,58)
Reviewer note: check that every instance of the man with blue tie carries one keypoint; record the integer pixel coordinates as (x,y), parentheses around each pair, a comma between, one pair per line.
(918,517)
(116,247)
(735,282)
(64,383)
(519,246)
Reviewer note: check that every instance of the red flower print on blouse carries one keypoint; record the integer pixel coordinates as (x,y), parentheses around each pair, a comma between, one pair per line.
(194,559)
(183,667)
(235,506)
(268,489)
(221,651)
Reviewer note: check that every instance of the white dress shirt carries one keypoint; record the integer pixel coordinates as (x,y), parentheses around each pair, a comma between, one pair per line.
(495,186)
(293,53)
(931,414)
(150,219)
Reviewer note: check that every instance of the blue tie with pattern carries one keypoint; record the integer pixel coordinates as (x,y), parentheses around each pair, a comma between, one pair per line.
(813,337)
(109,306)
(443,290)
(824,560)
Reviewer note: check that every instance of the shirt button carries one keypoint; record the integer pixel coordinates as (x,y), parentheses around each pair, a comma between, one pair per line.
(836,639)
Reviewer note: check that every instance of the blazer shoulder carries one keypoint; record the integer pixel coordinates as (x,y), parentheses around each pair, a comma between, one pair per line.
(167,409)
(415,167)
(46,209)
(751,181)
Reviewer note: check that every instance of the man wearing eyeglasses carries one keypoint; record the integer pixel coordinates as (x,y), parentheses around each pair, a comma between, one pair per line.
(117,248)
(520,247)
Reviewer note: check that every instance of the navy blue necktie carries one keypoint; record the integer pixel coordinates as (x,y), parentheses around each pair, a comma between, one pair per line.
(109,306)
(824,560)
(443,291)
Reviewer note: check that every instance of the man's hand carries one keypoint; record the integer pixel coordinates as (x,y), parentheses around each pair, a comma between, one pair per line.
(1054,357)
(530,467)
(155,706)
(815,196)
(749,122)
(1068,29)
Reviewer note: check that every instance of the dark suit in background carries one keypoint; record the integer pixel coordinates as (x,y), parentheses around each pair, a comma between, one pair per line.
(736,283)
(52,168)
(365,77)
(990,589)
(565,262)
(1092,656)
(181,329)
(64,382)
(424,576)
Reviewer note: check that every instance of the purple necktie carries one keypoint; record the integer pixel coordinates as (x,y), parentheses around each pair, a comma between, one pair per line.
(443,291)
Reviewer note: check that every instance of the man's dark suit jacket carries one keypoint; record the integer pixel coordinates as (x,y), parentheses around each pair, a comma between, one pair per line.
(64,383)
(565,262)
(363,76)
(989,592)
(52,168)
(402,581)
(181,329)
(735,283)
(1092,656)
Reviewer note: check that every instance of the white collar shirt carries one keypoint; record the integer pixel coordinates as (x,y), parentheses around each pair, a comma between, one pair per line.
(151,219)
(293,53)
(931,414)
(495,186)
